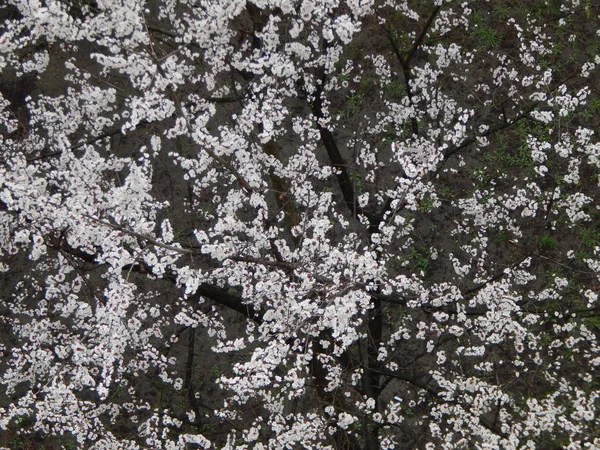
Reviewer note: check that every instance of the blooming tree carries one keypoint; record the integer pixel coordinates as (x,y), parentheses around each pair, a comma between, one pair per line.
(280,224)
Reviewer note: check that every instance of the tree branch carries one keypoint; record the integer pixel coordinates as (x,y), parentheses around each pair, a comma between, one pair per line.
(405,62)
(110,133)
(455,149)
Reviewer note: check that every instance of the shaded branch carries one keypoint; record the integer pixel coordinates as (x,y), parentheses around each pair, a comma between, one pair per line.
(110,133)
(233,302)
(212,154)
(422,35)
(405,62)
(219,295)
(172,35)
(281,188)
(145,237)
(334,154)
(436,392)
(491,131)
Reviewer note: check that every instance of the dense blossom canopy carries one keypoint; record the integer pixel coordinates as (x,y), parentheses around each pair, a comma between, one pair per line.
(361,224)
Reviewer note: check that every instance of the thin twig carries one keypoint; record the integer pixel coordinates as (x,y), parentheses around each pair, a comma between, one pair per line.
(150,239)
